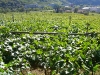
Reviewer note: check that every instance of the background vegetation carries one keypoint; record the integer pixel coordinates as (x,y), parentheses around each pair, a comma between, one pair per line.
(19,5)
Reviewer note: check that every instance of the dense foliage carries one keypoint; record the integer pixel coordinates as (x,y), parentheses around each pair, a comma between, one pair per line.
(28,5)
(10,5)
(62,54)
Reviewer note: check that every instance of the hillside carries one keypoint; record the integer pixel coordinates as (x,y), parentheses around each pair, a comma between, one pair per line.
(19,5)
(85,2)
(78,2)
(44,2)
(14,5)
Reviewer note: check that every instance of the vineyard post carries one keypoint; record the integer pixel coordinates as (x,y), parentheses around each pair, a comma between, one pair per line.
(13,17)
(70,18)
(87,27)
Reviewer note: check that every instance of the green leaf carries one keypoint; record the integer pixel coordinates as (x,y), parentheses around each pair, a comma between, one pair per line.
(96,67)
(39,51)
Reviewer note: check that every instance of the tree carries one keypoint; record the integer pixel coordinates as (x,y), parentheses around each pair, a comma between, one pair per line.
(75,10)
(57,8)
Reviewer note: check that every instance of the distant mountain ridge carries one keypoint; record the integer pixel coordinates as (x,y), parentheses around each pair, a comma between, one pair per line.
(4,3)
(85,2)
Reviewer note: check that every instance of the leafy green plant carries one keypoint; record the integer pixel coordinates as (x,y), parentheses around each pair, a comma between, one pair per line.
(62,54)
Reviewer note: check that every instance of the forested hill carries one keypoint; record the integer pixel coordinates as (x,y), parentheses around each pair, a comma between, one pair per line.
(41,2)
(45,2)
(19,3)
(85,2)
(13,5)
(10,3)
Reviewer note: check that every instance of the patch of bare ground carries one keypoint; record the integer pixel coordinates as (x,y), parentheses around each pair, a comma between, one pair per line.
(38,71)
(95,73)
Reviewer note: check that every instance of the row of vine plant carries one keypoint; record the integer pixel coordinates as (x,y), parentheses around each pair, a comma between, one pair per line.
(61,54)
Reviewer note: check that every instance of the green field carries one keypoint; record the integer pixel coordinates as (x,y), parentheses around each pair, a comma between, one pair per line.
(44,20)
(56,54)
